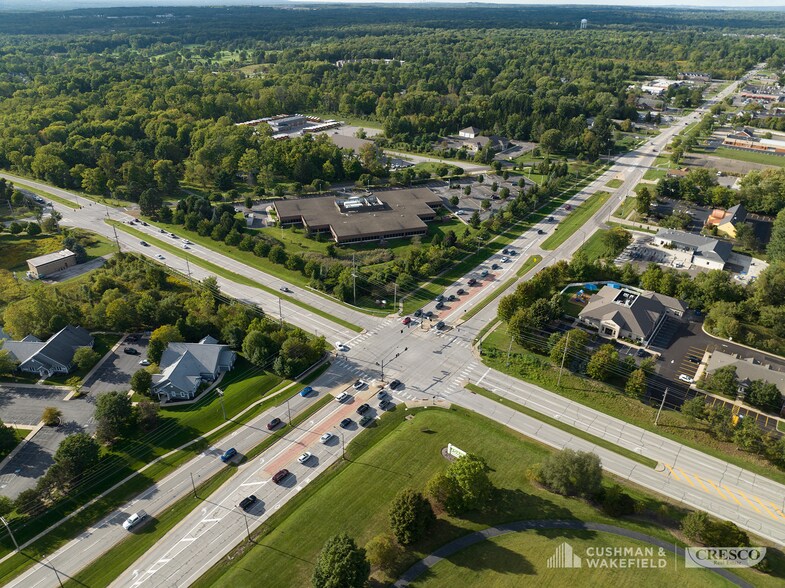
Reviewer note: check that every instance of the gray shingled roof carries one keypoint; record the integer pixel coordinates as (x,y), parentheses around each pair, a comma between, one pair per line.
(714,249)
(746,369)
(182,364)
(58,348)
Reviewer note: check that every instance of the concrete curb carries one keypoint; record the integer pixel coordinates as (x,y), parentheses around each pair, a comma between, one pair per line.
(19,447)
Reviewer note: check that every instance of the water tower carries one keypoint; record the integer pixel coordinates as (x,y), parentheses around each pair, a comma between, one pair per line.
(584,24)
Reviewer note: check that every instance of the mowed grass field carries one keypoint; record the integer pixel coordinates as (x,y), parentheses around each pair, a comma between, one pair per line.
(520,559)
(576,219)
(396,454)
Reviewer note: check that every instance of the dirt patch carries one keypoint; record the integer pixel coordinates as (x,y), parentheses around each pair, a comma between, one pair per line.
(728,166)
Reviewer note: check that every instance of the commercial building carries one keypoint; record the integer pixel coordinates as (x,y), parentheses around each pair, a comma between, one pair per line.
(695,76)
(747,370)
(695,249)
(469,133)
(621,312)
(287,124)
(43,265)
(53,356)
(186,366)
(385,215)
(746,139)
(727,221)
(658,87)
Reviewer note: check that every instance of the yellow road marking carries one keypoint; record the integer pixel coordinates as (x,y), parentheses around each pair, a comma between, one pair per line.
(732,495)
(779,512)
(686,477)
(744,496)
(701,482)
(717,489)
(675,476)
(764,508)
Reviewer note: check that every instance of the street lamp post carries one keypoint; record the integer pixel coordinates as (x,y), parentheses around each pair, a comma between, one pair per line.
(221,399)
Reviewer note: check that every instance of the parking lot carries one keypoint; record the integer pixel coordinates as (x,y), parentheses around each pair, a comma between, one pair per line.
(116,370)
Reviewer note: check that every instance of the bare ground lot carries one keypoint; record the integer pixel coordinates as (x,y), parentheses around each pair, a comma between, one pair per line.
(728,166)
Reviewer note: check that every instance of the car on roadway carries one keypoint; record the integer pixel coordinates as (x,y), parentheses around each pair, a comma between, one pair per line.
(385,404)
(341,347)
(382,394)
(363,408)
(366,420)
(144,362)
(346,423)
(280,475)
(513,252)
(306,391)
(439,298)
(358,385)
(285,289)
(439,325)
(406,320)
(343,397)
(495,266)
(326,438)
(144,243)
(472,281)
(550,219)
(247,502)
(187,242)
(439,305)
(568,207)
(505,251)
(540,232)
(276,422)
(159,256)
(418,312)
(144,224)
(505,259)
(134,520)
(228,454)
(428,314)
(452,298)
(130,351)
(484,273)
(686,378)
(461,292)
(305,457)
(163,231)
(395,384)
(185,246)
(173,236)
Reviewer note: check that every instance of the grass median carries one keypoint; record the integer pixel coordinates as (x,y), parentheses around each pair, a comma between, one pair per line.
(576,219)
(49,195)
(528,265)
(651,463)
(229,275)
(108,567)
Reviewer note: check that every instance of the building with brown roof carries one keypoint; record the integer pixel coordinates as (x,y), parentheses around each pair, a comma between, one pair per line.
(385,215)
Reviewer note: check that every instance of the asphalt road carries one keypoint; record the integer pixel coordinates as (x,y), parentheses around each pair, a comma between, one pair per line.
(434,367)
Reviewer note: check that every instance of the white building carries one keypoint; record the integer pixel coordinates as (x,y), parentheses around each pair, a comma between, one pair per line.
(695,249)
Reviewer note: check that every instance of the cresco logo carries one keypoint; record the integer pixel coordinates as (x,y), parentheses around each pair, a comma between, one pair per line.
(723,557)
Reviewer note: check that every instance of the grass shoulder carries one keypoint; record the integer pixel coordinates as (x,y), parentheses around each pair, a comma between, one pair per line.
(576,219)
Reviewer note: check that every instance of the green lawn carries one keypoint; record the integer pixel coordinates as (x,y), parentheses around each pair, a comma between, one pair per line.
(538,370)
(433,167)
(749,156)
(20,433)
(626,207)
(401,453)
(17,249)
(219,271)
(615,183)
(242,387)
(48,195)
(516,559)
(595,247)
(109,566)
(528,265)
(575,220)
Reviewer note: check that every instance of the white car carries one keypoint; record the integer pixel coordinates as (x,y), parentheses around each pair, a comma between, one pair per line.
(304,457)
(159,256)
(505,259)
(144,362)
(134,520)
(341,347)
(686,378)
(326,437)
(185,246)
(358,385)
(343,397)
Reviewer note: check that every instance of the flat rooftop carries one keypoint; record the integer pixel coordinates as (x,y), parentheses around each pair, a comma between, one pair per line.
(389,214)
(50,257)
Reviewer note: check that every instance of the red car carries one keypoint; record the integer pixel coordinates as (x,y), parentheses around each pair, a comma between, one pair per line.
(568,207)
(407,320)
(279,476)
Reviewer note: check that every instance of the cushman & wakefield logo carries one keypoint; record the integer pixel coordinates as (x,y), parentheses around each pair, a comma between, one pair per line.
(605,557)
(723,557)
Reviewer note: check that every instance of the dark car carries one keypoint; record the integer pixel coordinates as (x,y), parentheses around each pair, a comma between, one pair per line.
(693,359)
(418,312)
(395,384)
(472,281)
(306,391)
(440,325)
(461,291)
(130,351)
(495,266)
(248,501)
(439,298)
(641,353)
(280,476)
(228,454)
(506,251)
(384,404)
(144,243)
(144,224)
(439,305)
(540,232)
(428,314)
(363,408)
(346,423)
(452,297)
(367,419)
(273,423)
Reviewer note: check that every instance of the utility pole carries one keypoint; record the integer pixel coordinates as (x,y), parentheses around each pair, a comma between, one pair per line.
(193,484)
(354,281)
(188,267)
(395,296)
(10,533)
(509,348)
(116,238)
(247,528)
(563,358)
(664,396)
(280,311)
(288,412)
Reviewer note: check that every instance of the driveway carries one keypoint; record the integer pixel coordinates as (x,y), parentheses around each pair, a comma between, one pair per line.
(116,370)
(24,406)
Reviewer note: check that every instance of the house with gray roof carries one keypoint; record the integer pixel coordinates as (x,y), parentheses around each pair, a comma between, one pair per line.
(747,370)
(695,249)
(628,313)
(53,356)
(186,366)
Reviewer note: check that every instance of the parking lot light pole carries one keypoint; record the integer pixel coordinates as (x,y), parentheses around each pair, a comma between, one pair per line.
(221,399)
(10,533)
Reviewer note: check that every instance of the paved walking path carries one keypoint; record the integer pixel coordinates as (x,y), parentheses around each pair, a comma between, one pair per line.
(461,543)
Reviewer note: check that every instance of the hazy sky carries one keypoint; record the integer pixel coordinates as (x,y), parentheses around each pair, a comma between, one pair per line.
(66,4)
